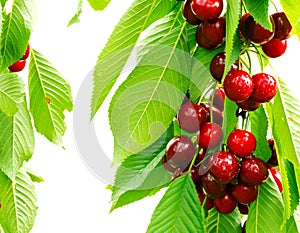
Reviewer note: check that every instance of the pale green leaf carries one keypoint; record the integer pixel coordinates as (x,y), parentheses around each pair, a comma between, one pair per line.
(259,9)
(265,213)
(49,96)
(18,203)
(75,18)
(16,31)
(11,93)
(230,120)
(292,9)
(297,218)
(121,43)
(16,140)
(34,176)
(179,210)
(219,223)
(99,5)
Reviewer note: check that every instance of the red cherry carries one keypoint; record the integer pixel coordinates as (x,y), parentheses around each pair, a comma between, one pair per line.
(224,167)
(180,150)
(211,186)
(277,177)
(207,10)
(242,143)
(253,171)
(273,161)
(167,166)
(225,204)
(27,52)
(17,66)
(265,87)
(242,24)
(244,194)
(209,204)
(249,104)
(202,41)
(217,116)
(210,135)
(243,209)
(238,85)
(255,32)
(189,15)
(218,98)
(283,26)
(194,173)
(215,32)
(274,48)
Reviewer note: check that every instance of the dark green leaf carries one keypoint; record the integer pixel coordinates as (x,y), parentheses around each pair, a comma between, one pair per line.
(292,8)
(75,18)
(99,5)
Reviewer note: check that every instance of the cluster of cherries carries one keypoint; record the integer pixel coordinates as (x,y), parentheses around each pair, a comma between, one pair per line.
(19,65)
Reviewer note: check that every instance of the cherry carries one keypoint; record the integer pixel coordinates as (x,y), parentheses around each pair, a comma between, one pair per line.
(243,193)
(167,166)
(194,173)
(211,186)
(217,116)
(238,85)
(191,116)
(225,204)
(242,26)
(224,167)
(189,15)
(255,32)
(180,150)
(249,104)
(242,143)
(274,48)
(283,26)
(277,177)
(17,66)
(209,204)
(215,32)
(210,135)
(265,87)
(203,41)
(253,171)
(26,54)
(207,10)
(243,208)
(218,98)
(273,161)
(200,156)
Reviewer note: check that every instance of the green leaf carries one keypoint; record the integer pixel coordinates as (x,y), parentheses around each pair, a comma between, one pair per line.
(34,176)
(121,43)
(16,140)
(18,203)
(142,108)
(99,5)
(259,127)
(179,209)
(17,27)
(286,121)
(291,9)
(219,223)
(230,120)
(265,213)
(11,93)
(3,3)
(75,18)
(259,9)
(297,218)
(49,95)
(291,225)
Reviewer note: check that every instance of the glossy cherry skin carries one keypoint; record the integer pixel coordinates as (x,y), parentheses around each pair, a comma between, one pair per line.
(218,98)
(209,204)
(217,115)
(277,177)
(253,171)
(207,10)
(194,173)
(255,32)
(224,167)
(273,161)
(27,52)
(238,85)
(225,204)
(17,66)
(180,150)
(274,48)
(242,143)
(243,209)
(210,135)
(191,116)
(242,26)
(265,87)
(215,32)
(202,41)
(189,15)
(249,104)
(244,194)
(167,166)
(283,26)
(211,186)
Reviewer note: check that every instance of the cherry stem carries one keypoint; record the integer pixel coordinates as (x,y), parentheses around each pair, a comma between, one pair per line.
(274,5)
(204,94)
(260,57)
(250,63)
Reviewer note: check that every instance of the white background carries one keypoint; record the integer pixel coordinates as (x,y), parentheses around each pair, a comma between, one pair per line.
(71,199)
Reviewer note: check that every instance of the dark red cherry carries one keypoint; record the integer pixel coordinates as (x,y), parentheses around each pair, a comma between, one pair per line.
(202,41)
(242,26)
(27,52)
(217,115)
(215,32)
(225,204)
(167,166)
(243,209)
(207,10)
(249,104)
(218,98)
(211,186)
(191,116)
(244,194)
(194,173)
(265,87)
(274,48)
(180,150)
(255,32)
(189,15)
(224,167)
(209,204)
(283,26)
(238,85)
(253,171)
(210,135)
(17,66)
(273,161)
(277,177)
(242,143)
(200,156)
